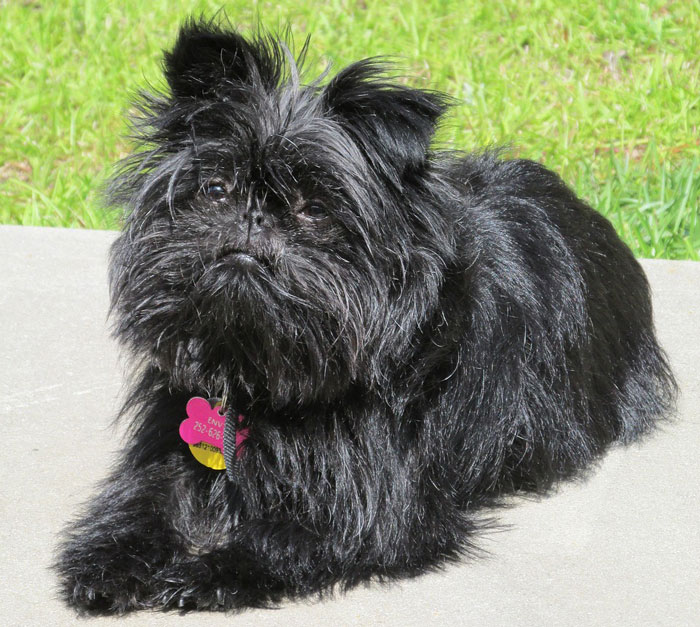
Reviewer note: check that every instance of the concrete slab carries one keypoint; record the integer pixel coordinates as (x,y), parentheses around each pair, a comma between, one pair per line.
(622,548)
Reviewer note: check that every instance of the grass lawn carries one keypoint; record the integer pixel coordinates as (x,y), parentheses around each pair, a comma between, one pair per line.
(605,93)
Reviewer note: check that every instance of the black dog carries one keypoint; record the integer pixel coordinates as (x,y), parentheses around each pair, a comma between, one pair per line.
(397,336)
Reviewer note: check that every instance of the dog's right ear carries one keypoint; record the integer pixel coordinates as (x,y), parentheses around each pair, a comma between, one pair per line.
(206,56)
(393,124)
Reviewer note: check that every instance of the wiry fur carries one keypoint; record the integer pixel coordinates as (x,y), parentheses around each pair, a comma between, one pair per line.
(408,334)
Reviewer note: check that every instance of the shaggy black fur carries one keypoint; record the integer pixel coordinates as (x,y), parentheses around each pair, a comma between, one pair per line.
(408,333)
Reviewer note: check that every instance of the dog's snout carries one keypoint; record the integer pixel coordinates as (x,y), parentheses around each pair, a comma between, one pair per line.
(253,216)
(254,220)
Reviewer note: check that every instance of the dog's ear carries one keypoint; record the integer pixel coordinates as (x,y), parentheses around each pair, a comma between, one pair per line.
(206,56)
(393,124)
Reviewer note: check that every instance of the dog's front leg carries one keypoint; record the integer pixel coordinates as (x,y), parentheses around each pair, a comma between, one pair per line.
(110,558)
(159,512)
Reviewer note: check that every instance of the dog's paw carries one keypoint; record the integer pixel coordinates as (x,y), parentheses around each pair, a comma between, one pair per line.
(200,597)
(111,593)
(184,586)
(196,584)
(116,576)
(101,598)
(106,593)
(105,576)
(214,582)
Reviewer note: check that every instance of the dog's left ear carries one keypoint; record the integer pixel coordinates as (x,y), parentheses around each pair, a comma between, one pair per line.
(206,56)
(393,124)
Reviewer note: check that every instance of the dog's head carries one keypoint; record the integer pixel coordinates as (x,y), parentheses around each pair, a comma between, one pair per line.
(280,236)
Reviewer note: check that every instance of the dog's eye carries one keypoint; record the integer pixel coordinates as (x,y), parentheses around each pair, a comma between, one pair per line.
(215,192)
(313,211)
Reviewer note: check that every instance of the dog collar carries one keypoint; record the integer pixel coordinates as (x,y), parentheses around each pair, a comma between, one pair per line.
(212,439)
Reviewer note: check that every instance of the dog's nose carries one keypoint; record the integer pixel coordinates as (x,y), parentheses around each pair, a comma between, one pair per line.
(256,219)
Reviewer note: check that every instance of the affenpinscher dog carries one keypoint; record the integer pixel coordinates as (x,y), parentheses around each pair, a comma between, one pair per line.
(390,337)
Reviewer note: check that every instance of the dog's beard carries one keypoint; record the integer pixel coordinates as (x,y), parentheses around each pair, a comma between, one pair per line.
(298,322)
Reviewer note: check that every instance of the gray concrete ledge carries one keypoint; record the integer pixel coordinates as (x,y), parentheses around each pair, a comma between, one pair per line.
(622,548)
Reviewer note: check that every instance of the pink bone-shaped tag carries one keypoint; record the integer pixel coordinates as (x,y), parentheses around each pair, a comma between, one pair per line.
(205,423)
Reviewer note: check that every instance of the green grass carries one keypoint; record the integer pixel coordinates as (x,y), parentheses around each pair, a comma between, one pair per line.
(605,93)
